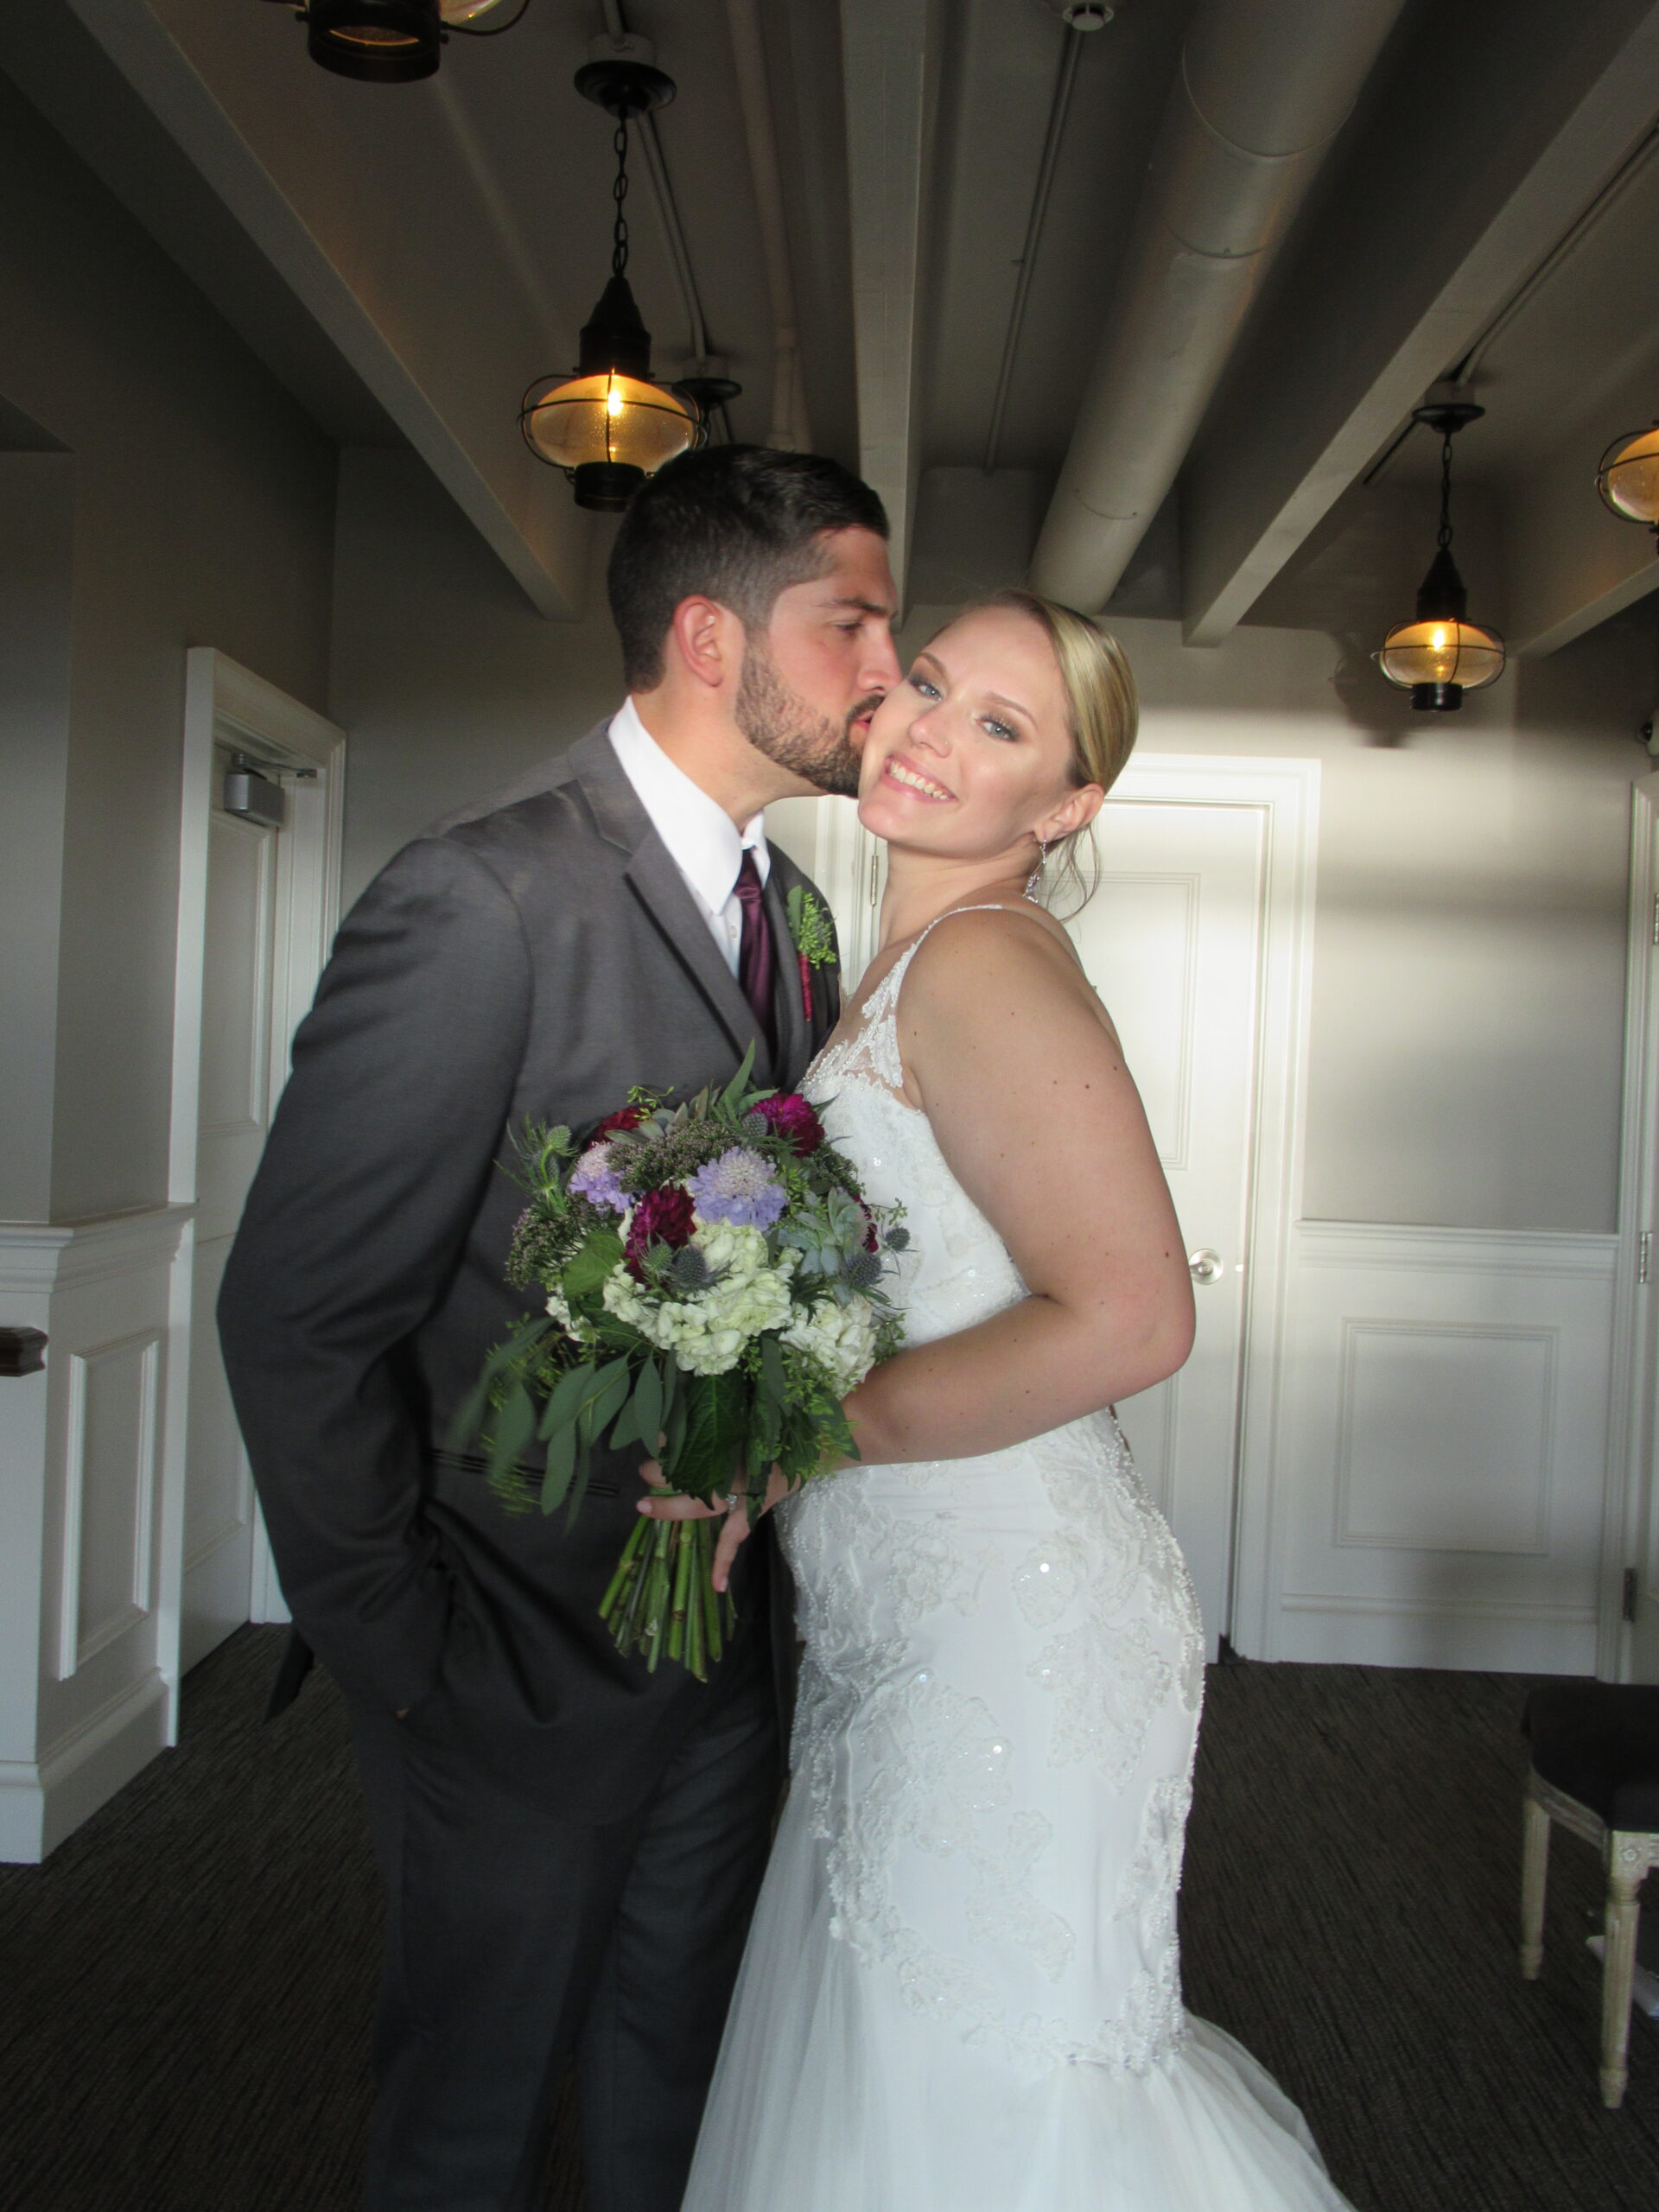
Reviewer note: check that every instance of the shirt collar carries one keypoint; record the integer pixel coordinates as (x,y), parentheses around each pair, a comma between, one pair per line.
(703,841)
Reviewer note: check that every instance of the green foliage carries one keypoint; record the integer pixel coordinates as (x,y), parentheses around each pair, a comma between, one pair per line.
(583,1275)
(811,927)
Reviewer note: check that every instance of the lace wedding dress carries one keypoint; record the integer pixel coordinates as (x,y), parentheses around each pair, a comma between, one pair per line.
(962,1991)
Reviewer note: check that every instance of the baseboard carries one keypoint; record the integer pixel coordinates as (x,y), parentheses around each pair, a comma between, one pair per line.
(43,1800)
(1467,1636)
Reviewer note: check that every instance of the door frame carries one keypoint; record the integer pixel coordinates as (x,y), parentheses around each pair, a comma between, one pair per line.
(220,696)
(847,866)
(1629,1538)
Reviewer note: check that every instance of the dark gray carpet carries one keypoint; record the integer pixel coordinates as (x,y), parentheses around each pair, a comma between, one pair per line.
(186,1985)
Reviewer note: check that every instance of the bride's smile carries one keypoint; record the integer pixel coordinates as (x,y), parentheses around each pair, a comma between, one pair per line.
(970,758)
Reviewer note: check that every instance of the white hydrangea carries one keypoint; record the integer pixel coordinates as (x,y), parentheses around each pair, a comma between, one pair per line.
(842,1339)
(560,1312)
(707,1333)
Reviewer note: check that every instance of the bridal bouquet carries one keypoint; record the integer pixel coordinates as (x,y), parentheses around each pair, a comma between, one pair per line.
(713,1286)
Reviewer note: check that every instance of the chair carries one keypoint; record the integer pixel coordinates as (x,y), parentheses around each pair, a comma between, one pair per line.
(1595,1769)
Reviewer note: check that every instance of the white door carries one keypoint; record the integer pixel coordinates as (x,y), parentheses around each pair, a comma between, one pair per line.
(1171,941)
(237,1095)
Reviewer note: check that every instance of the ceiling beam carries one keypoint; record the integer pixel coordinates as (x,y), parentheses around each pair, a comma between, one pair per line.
(889,55)
(1432,230)
(392,317)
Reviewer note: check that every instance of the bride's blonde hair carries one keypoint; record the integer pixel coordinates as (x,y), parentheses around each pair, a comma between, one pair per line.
(1102,716)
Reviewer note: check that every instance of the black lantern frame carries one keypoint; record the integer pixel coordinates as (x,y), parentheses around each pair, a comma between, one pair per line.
(610,423)
(1464,656)
(387,41)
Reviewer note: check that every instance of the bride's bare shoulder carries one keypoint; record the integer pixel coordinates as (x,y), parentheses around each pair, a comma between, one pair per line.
(1000,974)
(1015,935)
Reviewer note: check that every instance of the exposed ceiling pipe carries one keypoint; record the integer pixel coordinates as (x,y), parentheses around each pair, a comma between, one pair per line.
(789,428)
(1263,88)
(1070,48)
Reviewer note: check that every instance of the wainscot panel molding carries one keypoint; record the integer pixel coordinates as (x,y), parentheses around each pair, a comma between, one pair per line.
(1440,1464)
(88,1625)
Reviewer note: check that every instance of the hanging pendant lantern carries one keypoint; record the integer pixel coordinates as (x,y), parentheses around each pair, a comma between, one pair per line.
(1441,654)
(612,424)
(394,42)
(1628,479)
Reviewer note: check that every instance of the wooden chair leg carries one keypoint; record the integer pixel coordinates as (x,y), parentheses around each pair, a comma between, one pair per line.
(1627,1862)
(1535,1870)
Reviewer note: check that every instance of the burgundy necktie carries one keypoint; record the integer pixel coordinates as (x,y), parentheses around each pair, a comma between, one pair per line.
(754,950)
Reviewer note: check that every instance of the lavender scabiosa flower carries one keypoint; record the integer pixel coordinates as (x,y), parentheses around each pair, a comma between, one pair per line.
(594,1179)
(739,1187)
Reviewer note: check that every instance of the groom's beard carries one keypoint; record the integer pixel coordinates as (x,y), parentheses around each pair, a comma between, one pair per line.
(797,736)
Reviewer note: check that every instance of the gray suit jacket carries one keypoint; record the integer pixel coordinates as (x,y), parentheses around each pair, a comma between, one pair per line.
(528,961)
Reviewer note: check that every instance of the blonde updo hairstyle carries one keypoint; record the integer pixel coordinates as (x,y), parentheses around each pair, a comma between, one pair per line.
(1102,714)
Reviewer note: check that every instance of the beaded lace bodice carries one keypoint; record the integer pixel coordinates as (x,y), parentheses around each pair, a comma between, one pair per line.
(958,1270)
(1003,1668)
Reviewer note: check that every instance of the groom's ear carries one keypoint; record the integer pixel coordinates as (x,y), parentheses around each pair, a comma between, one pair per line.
(708,641)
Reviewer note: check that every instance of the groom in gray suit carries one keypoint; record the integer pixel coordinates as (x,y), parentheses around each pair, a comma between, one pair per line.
(571,1846)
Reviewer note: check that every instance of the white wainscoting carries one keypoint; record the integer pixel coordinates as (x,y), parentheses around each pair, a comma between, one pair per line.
(1439,1478)
(88,1628)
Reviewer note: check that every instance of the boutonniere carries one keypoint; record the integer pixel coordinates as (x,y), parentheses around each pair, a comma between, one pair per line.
(813,935)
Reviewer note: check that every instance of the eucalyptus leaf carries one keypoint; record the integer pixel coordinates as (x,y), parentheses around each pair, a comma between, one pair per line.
(567,1399)
(675,1422)
(579,1488)
(515,1425)
(469,1414)
(610,1389)
(641,1420)
(560,1465)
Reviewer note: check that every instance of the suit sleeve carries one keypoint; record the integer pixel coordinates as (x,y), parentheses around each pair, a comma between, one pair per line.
(386,1135)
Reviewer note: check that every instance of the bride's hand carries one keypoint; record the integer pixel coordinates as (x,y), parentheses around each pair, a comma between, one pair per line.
(676,1507)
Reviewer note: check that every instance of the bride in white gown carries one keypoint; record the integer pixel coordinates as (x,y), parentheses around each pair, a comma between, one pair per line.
(961,1990)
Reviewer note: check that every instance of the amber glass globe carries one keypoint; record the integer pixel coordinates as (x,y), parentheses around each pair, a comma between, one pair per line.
(1444,652)
(1628,479)
(624,427)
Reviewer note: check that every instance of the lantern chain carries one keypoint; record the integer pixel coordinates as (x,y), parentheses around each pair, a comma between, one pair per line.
(620,193)
(1443,539)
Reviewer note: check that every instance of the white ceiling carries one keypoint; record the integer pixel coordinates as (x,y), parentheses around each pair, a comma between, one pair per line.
(407,258)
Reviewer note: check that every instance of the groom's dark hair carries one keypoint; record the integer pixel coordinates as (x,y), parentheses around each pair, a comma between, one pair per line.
(736,524)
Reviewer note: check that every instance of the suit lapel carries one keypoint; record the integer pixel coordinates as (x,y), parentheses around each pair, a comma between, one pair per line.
(660,888)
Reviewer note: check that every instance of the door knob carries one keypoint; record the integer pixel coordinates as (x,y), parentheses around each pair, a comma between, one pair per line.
(1205,1266)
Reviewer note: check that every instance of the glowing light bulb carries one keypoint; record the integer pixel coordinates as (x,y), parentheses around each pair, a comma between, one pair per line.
(613,401)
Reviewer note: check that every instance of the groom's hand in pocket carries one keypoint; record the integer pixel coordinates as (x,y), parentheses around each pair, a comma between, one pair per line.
(673,1505)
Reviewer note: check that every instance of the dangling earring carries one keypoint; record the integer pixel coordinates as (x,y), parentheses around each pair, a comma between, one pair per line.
(1034,881)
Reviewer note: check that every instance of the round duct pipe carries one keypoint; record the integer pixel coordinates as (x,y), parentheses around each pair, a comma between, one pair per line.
(1263,88)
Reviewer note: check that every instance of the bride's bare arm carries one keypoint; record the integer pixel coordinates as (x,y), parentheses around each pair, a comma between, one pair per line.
(1038,1120)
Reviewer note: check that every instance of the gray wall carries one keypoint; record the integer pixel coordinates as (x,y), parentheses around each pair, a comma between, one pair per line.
(449,682)
(202,514)
(1469,936)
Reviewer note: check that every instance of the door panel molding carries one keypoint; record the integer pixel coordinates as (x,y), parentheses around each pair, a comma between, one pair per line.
(1450,1515)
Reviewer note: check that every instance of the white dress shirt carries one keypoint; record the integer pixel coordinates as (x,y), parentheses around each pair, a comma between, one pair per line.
(703,841)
